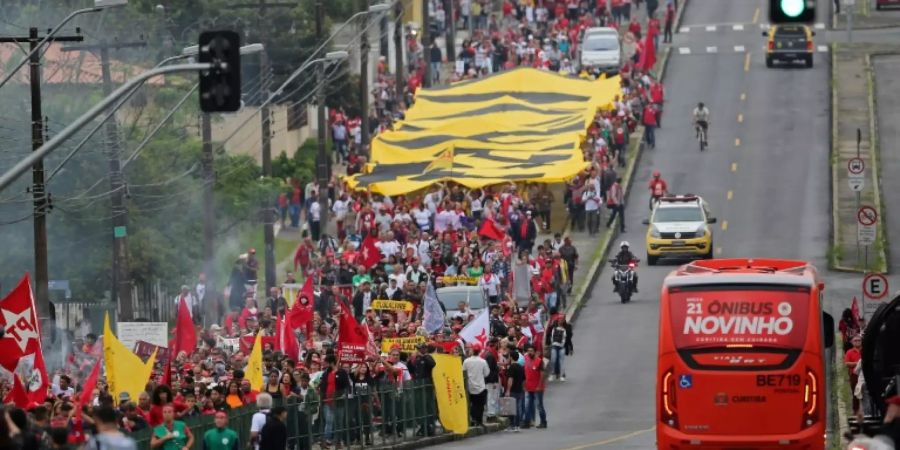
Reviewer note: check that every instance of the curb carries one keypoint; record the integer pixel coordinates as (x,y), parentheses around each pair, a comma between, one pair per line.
(583,293)
(843,427)
(444,438)
(676,25)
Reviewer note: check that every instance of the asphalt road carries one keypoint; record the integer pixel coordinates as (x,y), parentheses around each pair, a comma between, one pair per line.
(765,178)
(887,91)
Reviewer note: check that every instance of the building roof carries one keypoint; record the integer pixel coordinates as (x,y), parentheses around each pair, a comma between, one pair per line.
(69,67)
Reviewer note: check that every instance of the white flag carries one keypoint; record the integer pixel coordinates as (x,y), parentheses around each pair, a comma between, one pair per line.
(434,314)
(478,329)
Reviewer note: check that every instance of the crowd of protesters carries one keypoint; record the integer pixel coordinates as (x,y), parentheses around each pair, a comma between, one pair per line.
(439,237)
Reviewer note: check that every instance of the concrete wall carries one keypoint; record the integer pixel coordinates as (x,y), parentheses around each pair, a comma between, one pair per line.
(248,140)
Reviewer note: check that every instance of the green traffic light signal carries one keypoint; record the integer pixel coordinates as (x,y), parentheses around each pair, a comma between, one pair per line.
(792,11)
(792,8)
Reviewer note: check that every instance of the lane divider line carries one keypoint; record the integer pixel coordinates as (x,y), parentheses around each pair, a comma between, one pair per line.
(738,27)
(737,142)
(730,195)
(747,62)
(684,51)
(743,96)
(718,250)
(712,49)
(734,167)
(710,28)
(724,225)
(610,440)
(740,118)
(756,15)
(739,49)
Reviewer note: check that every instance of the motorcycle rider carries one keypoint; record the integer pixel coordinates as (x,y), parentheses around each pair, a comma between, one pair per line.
(658,188)
(623,258)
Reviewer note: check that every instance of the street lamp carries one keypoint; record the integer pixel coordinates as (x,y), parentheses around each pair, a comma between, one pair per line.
(99,5)
(248,49)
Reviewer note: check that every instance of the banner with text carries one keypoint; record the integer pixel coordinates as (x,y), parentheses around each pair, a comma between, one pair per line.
(392,305)
(407,344)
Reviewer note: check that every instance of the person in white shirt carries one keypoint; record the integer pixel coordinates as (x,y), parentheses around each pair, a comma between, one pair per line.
(315,218)
(423,218)
(461,311)
(340,208)
(264,403)
(490,283)
(388,246)
(476,370)
(63,387)
(592,202)
(189,299)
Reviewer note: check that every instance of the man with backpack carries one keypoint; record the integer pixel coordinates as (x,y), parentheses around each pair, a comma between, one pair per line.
(559,341)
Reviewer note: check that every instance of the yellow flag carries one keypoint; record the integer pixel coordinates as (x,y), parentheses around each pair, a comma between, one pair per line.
(450,391)
(125,372)
(254,369)
(443,161)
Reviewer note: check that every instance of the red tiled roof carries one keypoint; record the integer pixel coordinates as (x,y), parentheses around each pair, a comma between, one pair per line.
(70,67)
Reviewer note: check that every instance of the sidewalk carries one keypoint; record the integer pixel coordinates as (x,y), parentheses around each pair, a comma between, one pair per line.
(865,16)
(852,109)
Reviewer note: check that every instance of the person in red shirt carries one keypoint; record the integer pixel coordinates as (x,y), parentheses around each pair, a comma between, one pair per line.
(851,359)
(534,388)
(658,188)
(162,396)
(670,20)
(649,119)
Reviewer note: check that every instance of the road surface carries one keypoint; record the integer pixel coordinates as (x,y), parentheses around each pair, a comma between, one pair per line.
(765,178)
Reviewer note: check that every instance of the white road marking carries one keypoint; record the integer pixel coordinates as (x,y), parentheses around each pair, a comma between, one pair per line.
(739,48)
(823,48)
(710,28)
(763,26)
(819,26)
(737,27)
(711,49)
(684,51)
(685,29)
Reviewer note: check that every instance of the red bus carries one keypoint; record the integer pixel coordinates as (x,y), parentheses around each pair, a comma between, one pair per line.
(742,356)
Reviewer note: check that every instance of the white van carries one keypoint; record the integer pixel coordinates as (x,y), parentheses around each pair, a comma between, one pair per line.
(600,51)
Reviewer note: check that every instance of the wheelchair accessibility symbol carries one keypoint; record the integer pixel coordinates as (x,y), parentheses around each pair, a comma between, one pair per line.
(685,381)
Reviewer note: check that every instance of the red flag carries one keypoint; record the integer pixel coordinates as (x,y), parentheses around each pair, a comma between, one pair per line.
(301,313)
(20,350)
(648,55)
(369,255)
(504,206)
(185,333)
(353,338)
(490,230)
(167,373)
(90,384)
(285,339)
(17,395)
(854,310)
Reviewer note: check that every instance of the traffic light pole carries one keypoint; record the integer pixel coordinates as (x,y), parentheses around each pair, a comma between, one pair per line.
(426,43)
(38,188)
(364,81)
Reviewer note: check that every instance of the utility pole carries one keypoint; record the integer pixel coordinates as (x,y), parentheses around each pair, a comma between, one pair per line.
(364,78)
(398,53)
(426,43)
(383,42)
(323,163)
(38,190)
(121,279)
(266,131)
(209,211)
(450,22)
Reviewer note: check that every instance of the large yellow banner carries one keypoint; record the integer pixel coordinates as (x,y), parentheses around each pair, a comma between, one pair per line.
(450,392)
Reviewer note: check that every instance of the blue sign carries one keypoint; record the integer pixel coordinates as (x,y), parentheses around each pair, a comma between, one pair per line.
(686,381)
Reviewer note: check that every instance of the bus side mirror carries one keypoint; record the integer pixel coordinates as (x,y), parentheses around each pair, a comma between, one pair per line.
(765,34)
(711,220)
(646,221)
(828,329)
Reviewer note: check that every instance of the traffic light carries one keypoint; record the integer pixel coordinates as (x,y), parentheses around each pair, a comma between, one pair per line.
(792,11)
(220,87)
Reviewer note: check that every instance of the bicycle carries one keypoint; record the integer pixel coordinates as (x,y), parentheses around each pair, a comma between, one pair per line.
(701,128)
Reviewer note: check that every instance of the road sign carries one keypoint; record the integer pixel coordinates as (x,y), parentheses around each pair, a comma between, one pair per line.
(875,286)
(856,174)
(866,215)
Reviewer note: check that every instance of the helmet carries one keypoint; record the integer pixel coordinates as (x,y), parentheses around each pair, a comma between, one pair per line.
(700,105)
(624,244)
(655,174)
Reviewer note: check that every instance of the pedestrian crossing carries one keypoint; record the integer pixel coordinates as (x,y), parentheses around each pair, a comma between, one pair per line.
(733,27)
(730,49)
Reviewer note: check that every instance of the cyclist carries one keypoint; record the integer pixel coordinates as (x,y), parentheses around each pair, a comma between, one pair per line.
(658,188)
(701,119)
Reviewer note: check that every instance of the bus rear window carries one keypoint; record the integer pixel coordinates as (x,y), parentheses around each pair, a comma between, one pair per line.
(735,318)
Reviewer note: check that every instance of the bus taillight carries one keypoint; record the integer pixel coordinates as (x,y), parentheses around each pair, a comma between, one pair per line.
(810,399)
(668,412)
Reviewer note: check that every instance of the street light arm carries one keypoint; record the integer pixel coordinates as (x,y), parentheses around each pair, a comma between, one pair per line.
(35,156)
(43,41)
